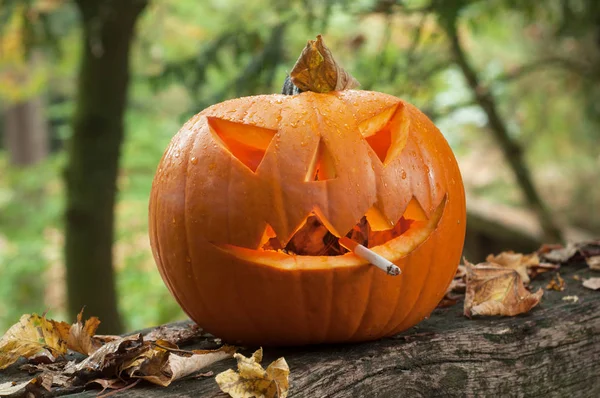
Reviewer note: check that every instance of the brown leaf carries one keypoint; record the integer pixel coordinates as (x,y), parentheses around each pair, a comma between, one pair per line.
(557,283)
(527,265)
(448,301)
(163,365)
(251,380)
(592,283)
(497,291)
(558,253)
(316,70)
(81,335)
(30,337)
(457,285)
(111,354)
(573,252)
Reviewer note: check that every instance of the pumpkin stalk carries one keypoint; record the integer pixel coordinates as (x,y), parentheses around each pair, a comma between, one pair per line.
(316,70)
(364,252)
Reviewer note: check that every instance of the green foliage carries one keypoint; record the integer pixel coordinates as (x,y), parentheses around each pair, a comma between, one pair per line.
(539,59)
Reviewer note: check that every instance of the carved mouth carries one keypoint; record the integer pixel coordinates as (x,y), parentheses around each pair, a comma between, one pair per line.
(313,238)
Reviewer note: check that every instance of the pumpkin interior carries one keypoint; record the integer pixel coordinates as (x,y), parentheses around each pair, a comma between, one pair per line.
(314,238)
(399,243)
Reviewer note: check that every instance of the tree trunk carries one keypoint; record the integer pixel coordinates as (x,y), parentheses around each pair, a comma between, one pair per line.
(26,132)
(91,174)
(512,150)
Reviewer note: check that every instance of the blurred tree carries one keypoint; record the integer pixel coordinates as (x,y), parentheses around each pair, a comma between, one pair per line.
(448,13)
(25,132)
(91,174)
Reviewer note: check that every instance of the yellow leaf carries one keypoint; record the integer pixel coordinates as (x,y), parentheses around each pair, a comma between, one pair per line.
(32,335)
(497,291)
(251,380)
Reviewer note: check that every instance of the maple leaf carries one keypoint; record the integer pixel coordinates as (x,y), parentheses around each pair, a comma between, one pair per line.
(32,335)
(252,380)
(497,291)
(527,265)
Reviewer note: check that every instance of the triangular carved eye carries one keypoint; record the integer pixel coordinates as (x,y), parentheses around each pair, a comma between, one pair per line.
(386,132)
(245,142)
(322,165)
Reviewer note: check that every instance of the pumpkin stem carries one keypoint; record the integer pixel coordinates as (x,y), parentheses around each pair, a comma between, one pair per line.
(316,70)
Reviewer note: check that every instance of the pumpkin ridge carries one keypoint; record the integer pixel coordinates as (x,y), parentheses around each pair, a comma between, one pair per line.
(366,306)
(189,264)
(332,309)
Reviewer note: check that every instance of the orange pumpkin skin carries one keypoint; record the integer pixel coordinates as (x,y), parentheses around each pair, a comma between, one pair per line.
(209,210)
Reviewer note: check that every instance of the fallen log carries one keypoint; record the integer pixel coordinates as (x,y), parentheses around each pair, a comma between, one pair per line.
(553,351)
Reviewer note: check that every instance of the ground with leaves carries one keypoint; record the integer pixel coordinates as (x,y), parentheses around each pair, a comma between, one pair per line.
(557,341)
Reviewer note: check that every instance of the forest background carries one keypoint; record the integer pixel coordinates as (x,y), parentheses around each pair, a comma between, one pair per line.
(513,85)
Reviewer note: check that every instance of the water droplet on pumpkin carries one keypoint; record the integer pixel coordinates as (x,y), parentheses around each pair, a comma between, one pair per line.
(173,220)
(403,175)
(194,160)
(188,259)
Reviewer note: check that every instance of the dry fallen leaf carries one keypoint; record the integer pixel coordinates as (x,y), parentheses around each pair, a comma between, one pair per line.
(110,354)
(592,283)
(573,252)
(497,291)
(558,253)
(593,263)
(557,283)
(573,299)
(317,71)
(527,265)
(11,388)
(162,365)
(81,335)
(31,336)
(251,380)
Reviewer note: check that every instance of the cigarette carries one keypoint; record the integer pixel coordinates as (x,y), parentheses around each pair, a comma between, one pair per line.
(380,262)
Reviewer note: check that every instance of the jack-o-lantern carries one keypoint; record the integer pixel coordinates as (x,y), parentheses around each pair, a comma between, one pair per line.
(252,195)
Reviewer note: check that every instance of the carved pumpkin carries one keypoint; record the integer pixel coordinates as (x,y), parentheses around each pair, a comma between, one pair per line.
(252,193)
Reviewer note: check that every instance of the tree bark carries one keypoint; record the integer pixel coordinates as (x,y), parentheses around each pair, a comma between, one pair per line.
(26,132)
(91,174)
(511,149)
